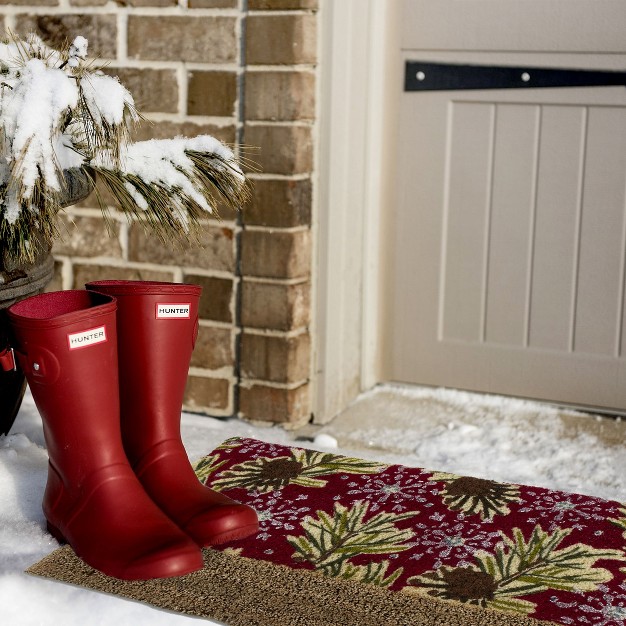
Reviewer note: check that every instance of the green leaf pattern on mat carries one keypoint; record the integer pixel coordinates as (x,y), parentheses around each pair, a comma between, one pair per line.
(330,540)
(210,463)
(207,465)
(620,521)
(300,467)
(476,496)
(371,573)
(230,444)
(519,568)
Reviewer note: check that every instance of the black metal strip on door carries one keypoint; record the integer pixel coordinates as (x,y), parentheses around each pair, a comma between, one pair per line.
(427,76)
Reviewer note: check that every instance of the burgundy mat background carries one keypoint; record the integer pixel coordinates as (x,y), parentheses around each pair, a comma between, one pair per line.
(435,526)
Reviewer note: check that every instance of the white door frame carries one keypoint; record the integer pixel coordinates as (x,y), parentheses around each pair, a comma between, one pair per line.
(360,79)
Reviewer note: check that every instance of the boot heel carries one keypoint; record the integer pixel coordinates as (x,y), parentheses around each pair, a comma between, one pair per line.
(55,532)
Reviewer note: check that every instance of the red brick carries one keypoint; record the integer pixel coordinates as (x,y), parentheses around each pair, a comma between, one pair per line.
(212,4)
(211,93)
(270,404)
(275,306)
(87,237)
(55,30)
(281,39)
(216,302)
(276,359)
(214,249)
(152,90)
(276,254)
(150,3)
(30,3)
(204,39)
(281,5)
(167,130)
(279,203)
(206,394)
(88,3)
(214,348)
(280,96)
(282,149)
(84,273)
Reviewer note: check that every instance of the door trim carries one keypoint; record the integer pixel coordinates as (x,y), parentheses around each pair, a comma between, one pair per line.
(360,81)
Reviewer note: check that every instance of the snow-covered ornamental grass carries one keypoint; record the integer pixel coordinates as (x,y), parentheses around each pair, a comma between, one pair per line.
(57,111)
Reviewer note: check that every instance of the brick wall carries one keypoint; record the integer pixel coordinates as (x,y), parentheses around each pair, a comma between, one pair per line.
(244,71)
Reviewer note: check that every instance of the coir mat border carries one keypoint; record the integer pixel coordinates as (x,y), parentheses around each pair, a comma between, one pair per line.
(240,591)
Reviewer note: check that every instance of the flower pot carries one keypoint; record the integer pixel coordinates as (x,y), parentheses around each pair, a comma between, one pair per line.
(19,281)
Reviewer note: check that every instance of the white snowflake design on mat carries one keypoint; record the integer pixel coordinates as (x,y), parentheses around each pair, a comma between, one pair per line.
(605,610)
(564,509)
(452,543)
(241,445)
(278,514)
(402,490)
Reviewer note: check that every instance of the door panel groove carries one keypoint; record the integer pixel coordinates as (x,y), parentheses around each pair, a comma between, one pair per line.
(578,222)
(620,290)
(533,221)
(445,220)
(488,215)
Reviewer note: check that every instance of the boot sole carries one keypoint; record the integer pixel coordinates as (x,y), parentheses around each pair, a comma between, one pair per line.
(173,566)
(232,535)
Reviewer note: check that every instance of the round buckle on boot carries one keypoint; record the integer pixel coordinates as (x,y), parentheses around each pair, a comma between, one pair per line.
(43,366)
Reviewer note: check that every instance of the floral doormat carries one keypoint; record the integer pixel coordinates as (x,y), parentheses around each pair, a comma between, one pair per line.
(344,541)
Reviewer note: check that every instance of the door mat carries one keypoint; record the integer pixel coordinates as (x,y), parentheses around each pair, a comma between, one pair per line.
(344,541)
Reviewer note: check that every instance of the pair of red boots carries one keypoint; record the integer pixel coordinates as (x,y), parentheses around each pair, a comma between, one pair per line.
(107,369)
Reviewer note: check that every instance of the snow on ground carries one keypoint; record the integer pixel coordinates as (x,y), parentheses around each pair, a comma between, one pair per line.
(469,437)
(490,436)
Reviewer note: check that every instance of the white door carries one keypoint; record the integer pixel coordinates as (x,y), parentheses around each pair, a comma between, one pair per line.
(509,239)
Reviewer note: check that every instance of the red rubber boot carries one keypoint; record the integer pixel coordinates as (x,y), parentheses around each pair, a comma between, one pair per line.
(66,345)
(157,328)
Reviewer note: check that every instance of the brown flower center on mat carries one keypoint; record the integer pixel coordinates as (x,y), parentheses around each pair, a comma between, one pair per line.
(464,583)
(281,469)
(467,486)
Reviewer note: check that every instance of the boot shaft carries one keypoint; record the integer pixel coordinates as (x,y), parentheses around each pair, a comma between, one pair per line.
(157,326)
(66,345)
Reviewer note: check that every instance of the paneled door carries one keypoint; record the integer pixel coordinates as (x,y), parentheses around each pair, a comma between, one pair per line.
(508,239)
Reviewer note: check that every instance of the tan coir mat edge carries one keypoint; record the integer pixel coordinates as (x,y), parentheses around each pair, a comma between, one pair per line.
(246,592)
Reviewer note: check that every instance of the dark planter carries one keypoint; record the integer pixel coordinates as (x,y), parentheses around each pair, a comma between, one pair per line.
(19,281)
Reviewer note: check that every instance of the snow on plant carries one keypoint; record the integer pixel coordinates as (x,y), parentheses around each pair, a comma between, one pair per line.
(58,112)
(175,173)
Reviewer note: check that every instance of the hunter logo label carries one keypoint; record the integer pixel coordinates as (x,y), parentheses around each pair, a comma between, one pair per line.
(176,310)
(86,338)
